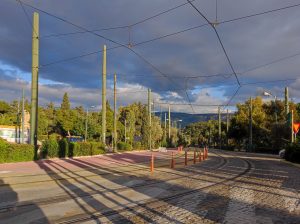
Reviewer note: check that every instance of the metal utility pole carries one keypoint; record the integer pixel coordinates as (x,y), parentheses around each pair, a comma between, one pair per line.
(104,96)
(149,117)
(227,127)
(115,112)
(250,125)
(220,128)
(23,114)
(169,124)
(286,101)
(34,80)
(18,133)
(292,128)
(125,130)
(165,132)
(86,124)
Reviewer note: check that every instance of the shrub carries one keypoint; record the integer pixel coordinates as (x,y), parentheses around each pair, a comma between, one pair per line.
(124,146)
(138,146)
(72,145)
(50,148)
(97,148)
(292,153)
(10,152)
(63,148)
(85,149)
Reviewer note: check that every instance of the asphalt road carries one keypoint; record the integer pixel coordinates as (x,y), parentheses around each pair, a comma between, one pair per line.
(228,187)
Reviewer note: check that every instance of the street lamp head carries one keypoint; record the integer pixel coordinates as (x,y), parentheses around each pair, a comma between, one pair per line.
(267,93)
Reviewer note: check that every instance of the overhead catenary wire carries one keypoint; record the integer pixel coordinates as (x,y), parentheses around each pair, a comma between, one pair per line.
(121,27)
(271,63)
(105,38)
(121,45)
(27,16)
(191,28)
(207,87)
(174,33)
(220,41)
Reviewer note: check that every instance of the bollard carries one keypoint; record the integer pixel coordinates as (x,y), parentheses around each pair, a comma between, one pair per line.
(200,159)
(206,152)
(194,156)
(152,163)
(185,159)
(172,161)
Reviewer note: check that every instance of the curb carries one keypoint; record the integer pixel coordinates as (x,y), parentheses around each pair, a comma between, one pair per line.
(290,163)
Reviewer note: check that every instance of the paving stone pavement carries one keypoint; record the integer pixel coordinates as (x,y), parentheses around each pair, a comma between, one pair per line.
(228,187)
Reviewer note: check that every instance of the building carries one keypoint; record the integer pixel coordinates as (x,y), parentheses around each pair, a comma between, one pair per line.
(13,133)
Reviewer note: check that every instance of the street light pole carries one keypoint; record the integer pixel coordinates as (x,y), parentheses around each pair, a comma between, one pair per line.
(250,125)
(149,114)
(169,128)
(275,100)
(115,114)
(220,128)
(86,124)
(104,96)
(23,114)
(227,128)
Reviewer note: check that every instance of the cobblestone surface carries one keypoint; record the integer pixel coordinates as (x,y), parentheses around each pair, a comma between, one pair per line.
(228,187)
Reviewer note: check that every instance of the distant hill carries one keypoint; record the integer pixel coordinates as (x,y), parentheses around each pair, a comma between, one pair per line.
(191,118)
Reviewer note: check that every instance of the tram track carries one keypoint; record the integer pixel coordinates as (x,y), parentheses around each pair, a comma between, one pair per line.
(63,197)
(99,171)
(144,204)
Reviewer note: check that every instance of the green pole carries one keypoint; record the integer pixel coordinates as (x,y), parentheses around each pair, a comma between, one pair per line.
(34,81)
(125,123)
(292,124)
(86,125)
(165,128)
(104,96)
(23,114)
(149,117)
(286,94)
(227,128)
(251,125)
(220,129)
(115,112)
(169,125)
(18,124)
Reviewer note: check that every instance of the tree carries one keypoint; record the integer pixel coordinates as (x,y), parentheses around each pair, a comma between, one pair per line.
(65,116)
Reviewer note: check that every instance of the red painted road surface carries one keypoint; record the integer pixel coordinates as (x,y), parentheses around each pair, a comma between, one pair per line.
(109,160)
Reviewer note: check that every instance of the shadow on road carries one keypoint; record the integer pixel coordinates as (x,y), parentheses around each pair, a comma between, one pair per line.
(219,203)
(12,214)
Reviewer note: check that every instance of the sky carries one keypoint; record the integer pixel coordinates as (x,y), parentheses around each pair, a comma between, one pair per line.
(188,67)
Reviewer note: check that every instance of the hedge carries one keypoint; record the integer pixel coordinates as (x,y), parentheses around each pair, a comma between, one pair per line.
(292,153)
(10,152)
(63,148)
(123,146)
(138,146)
(50,148)
(85,149)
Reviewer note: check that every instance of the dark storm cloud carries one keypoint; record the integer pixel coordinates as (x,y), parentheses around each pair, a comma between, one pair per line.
(249,43)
